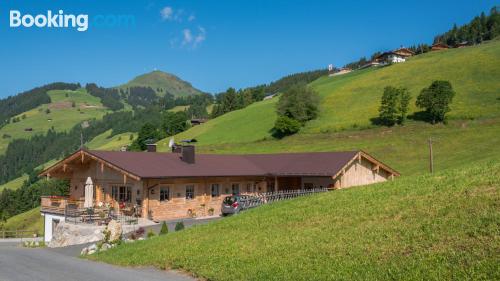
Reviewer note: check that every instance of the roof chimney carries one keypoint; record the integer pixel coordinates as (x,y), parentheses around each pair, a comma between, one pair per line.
(188,154)
(151,147)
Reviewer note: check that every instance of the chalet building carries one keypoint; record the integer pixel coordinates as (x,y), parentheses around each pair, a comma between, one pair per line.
(439,46)
(341,71)
(396,56)
(164,186)
(198,121)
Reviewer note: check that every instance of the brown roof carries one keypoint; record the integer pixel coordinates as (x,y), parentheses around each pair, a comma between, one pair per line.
(167,164)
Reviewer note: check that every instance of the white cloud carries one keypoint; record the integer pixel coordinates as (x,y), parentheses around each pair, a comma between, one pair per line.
(193,39)
(188,36)
(192,17)
(167,13)
(202,35)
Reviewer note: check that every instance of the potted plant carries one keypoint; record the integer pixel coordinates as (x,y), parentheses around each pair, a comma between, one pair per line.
(211,211)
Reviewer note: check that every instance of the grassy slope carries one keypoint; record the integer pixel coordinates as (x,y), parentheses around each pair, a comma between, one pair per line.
(63,116)
(165,81)
(105,142)
(14,184)
(404,148)
(30,221)
(351,100)
(438,227)
(235,127)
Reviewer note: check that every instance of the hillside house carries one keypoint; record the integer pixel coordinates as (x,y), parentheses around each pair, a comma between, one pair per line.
(165,186)
(395,56)
(439,46)
(341,71)
(198,121)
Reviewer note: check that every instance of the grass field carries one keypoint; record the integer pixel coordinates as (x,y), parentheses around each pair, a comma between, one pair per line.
(428,227)
(403,148)
(30,221)
(62,115)
(14,184)
(105,142)
(349,101)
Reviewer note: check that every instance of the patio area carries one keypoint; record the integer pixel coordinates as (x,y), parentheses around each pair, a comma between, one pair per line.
(74,211)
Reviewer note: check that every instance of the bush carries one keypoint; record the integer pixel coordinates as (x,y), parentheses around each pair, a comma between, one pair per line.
(164,228)
(300,103)
(285,126)
(435,100)
(151,233)
(179,226)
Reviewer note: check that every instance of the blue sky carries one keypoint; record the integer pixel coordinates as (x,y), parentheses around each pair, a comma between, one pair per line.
(212,44)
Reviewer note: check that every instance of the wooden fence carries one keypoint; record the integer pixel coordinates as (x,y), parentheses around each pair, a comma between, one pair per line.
(17,234)
(270,197)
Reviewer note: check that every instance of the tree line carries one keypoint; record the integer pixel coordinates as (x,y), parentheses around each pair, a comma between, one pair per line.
(231,99)
(479,29)
(109,97)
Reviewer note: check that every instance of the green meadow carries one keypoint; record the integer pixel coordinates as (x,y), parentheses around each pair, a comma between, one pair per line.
(428,227)
(349,101)
(14,184)
(31,220)
(62,115)
(105,141)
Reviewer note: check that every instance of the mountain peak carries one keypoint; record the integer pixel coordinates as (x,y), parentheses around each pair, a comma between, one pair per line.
(168,82)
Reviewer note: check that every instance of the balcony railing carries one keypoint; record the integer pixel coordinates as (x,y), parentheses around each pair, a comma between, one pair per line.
(60,205)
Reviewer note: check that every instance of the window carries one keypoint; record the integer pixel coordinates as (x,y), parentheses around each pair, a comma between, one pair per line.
(164,193)
(189,191)
(215,190)
(235,188)
(249,187)
(121,193)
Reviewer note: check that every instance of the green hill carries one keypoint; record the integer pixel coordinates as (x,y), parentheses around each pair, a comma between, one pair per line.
(14,184)
(63,116)
(350,101)
(434,227)
(29,221)
(162,80)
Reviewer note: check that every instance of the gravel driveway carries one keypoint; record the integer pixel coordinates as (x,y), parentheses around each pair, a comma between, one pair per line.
(19,264)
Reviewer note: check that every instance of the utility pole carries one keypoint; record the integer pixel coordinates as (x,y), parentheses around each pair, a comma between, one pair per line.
(431,158)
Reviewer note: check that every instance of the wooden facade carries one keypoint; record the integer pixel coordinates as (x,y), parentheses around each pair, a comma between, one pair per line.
(181,197)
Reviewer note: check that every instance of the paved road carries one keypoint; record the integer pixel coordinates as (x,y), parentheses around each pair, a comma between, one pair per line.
(19,264)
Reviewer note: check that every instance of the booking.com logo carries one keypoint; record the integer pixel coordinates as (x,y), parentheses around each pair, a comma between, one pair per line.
(59,19)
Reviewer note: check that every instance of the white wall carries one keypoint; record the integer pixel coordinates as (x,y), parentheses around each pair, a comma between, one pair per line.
(48,222)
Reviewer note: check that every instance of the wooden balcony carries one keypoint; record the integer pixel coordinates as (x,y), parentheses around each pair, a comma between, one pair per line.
(60,205)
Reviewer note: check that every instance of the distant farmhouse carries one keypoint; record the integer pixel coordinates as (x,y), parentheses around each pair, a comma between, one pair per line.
(340,71)
(439,46)
(395,56)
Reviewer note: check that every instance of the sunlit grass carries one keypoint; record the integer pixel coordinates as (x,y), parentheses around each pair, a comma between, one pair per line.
(429,227)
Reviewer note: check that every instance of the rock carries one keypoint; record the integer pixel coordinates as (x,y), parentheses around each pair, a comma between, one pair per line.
(115,228)
(91,252)
(84,251)
(67,234)
(93,247)
(105,247)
